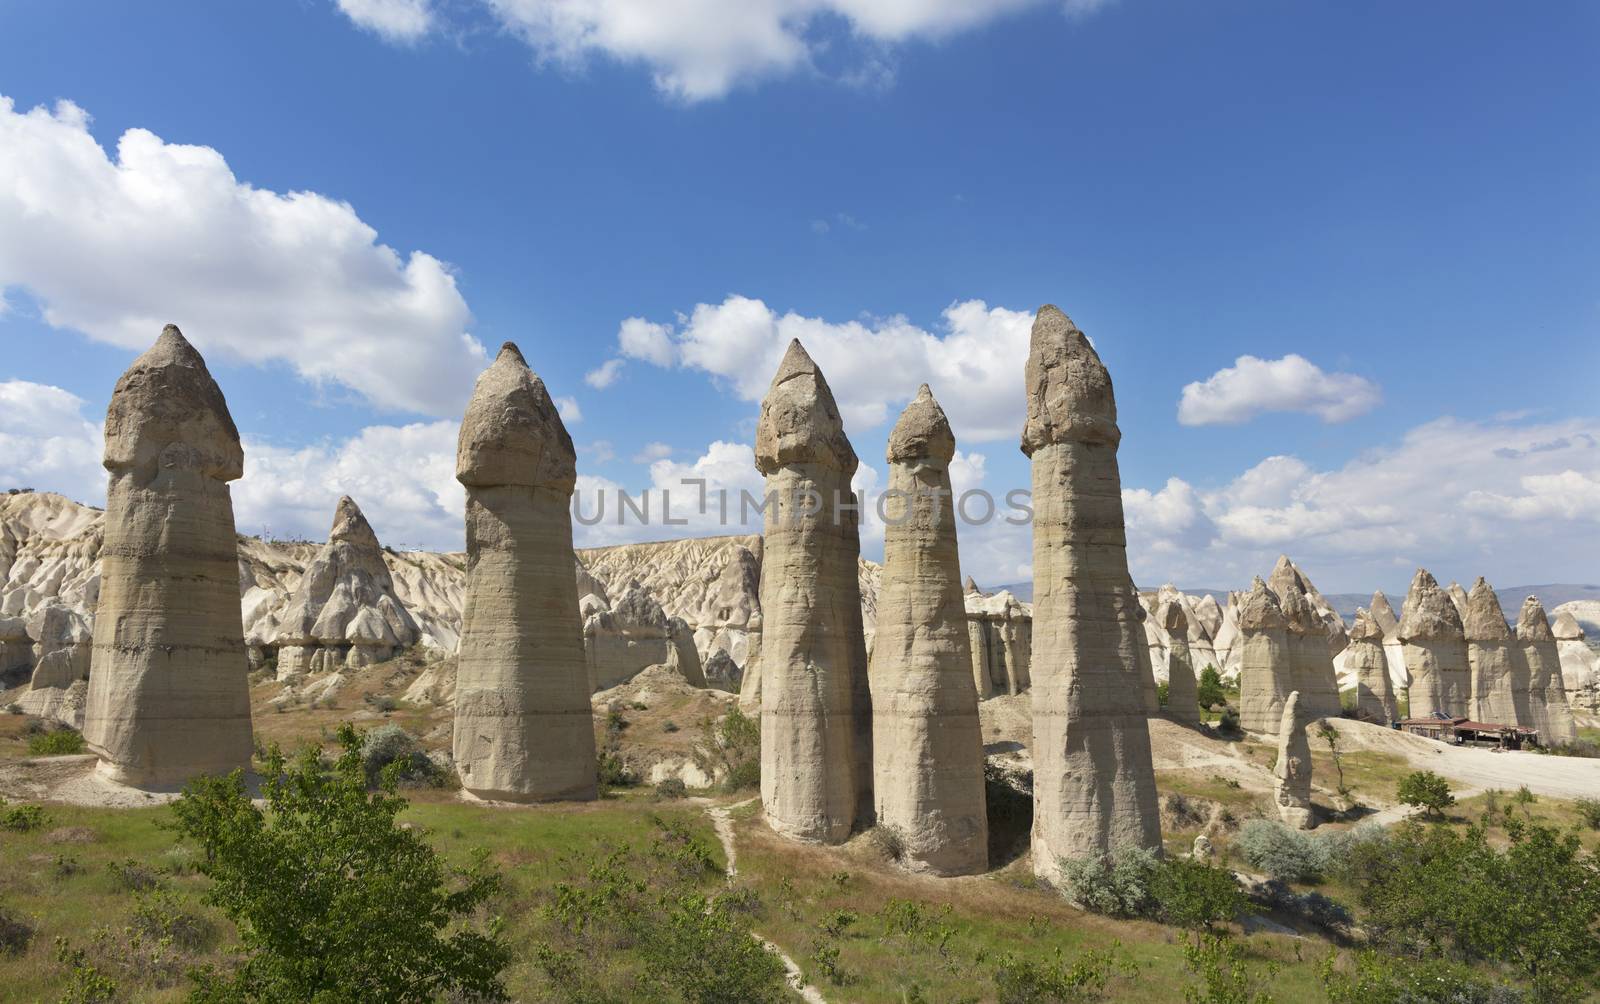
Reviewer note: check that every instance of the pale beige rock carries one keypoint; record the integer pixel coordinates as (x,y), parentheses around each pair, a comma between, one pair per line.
(1291,775)
(1580,665)
(1000,631)
(1264,672)
(1094,785)
(1182,687)
(1367,663)
(523,730)
(1458,599)
(927,748)
(1383,615)
(634,633)
(1145,664)
(168,699)
(1499,674)
(816,724)
(345,612)
(63,646)
(1548,709)
(1310,644)
(1435,650)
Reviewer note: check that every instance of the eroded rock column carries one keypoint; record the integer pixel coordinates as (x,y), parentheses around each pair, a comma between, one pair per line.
(927,746)
(1547,696)
(1094,786)
(1367,663)
(1310,653)
(523,731)
(816,724)
(1499,676)
(168,698)
(1264,673)
(1291,775)
(1435,650)
(1183,701)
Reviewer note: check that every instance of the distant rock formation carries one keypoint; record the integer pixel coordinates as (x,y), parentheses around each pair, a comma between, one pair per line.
(523,730)
(1548,708)
(1383,615)
(1182,687)
(816,725)
(1264,672)
(1311,643)
(927,747)
(1000,634)
(1500,681)
(1291,775)
(1435,649)
(345,612)
(1458,599)
(1094,783)
(622,640)
(1580,667)
(167,698)
(1364,658)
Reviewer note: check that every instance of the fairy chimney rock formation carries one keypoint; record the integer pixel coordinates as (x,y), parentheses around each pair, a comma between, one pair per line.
(927,746)
(1499,676)
(1580,668)
(816,718)
(1182,688)
(1264,672)
(1310,658)
(1291,775)
(1365,660)
(344,612)
(1548,707)
(1458,598)
(1094,784)
(1435,650)
(1383,615)
(523,731)
(168,697)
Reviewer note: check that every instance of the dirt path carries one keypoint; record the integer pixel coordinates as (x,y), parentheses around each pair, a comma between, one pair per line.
(1480,769)
(722,822)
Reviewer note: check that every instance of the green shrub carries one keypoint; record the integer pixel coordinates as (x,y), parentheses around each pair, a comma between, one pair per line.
(888,841)
(1523,796)
(1193,894)
(1374,978)
(129,875)
(1589,812)
(333,900)
(1209,692)
(613,772)
(22,818)
(85,983)
(1427,791)
(1021,980)
(1280,852)
(391,748)
(1163,691)
(1115,884)
(730,746)
(671,787)
(15,933)
(61,742)
(1221,977)
(1229,721)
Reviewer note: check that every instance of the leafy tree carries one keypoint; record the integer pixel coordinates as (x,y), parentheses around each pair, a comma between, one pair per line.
(1374,978)
(334,902)
(1194,894)
(1221,976)
(731,746)
(1115,884)
(1209,691)
(1019,980)
(1427,791)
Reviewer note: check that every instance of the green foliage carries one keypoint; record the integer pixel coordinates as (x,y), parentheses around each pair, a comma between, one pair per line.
(1194,894)
(1115,884)
(15,933)
(333,901)
(85,983)
(1375,978)
(22,818)
(1533,907)
(391,744)
(671,788)
(1229,720)
(1524,796)
(1427,791)
(1019,980)
(613,772)
(1221,976)
(1209,690)
(58,743)
(888,841)
(1589,812)
(1163,691)
(129,875)
(730,746)
(1293,855)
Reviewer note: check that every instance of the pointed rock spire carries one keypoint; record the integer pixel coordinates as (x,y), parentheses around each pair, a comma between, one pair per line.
(1429,612)
(167,400)
(1435,646)
(922,432)
(1533,624)
(350,526)
(1070,398)
(1549,707)
(512,433)
(800,422)
(1484,620)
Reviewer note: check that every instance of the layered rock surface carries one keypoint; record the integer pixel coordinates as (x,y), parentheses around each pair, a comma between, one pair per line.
(927,748)
(523,730)
(167,698)
(816,725)
(1499,675)
(1291,775)
(1366,661)
(1000,635)
(1182,686)
(1312,641)
(1548,707)
(1435,650)
(621,640)
(1580,666)
(1094,784)
(1264,673)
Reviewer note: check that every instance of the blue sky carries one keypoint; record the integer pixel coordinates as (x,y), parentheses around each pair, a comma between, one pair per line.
(1394,208)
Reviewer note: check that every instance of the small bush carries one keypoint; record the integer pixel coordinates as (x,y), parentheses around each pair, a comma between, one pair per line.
(1294,855)
(1117,885)
(378,702)
(1311,907)
(1229,722)
(669,726)
(613,771)
(64,866)
(15,933)
(129,875)
(1589,812)
(61,742)
(391,748)
(1375,978)
(672,787)
(1428,792)
(1221,977)
(85,983)
(1209,692)
(888,841)
(22,818)
(731,747)
(1019,980)
(1193,894)
(1524,796)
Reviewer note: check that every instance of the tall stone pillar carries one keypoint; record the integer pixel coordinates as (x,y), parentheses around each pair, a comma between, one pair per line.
(816,716)
(1366,661)
(1435,650)
(1310,659)
(1094,784)
(168,696)
(1498,674)
(1264,675)
(926,742)
(1291,775)
(523,728)
(1547,704)
(1183,690)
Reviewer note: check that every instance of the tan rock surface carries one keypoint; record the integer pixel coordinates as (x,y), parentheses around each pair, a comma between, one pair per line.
(816,725)
(1311,643)
(1291,775)
(1548,708)
(1182,685)
(1500,680)
(522,727)
(1435,650)
(168,699)
(1366,661)
(927,749)
(1383,615)
(1264,673)
(1580,665)
(1094,783)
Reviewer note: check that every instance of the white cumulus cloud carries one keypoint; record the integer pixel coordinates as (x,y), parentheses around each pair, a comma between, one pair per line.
(399,21)
(46,442)
(1252,386)
(163,232)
